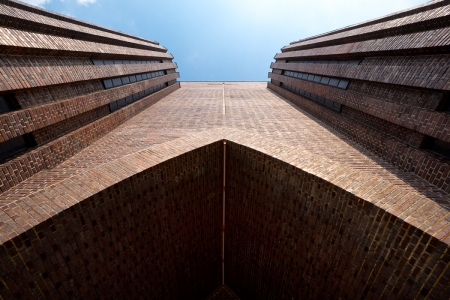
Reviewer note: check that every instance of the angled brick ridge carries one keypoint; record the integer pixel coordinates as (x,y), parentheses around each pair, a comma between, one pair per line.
(377,212)
(403,202)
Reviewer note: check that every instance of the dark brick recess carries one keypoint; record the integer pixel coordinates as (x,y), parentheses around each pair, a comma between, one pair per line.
(163,244)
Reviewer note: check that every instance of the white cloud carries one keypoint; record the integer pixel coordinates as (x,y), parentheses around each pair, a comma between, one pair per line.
(36,2)
(86,2)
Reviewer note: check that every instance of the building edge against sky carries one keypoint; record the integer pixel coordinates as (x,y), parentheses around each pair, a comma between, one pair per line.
(146,222)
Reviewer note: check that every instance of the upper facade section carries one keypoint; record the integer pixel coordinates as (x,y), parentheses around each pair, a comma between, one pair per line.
(65,83)
(384,83)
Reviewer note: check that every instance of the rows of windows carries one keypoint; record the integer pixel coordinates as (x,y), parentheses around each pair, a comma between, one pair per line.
(100,62)
(339,83)
(110,83)
(326,62)
(113,106)
(331,104)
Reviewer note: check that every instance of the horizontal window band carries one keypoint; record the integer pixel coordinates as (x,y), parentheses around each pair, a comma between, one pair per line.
(331,104)
(325,62)
(100,62)
(113,106)
(110,83)
(15,145)
(339,83)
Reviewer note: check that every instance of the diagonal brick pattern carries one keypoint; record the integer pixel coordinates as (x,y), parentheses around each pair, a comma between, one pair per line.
(274,150)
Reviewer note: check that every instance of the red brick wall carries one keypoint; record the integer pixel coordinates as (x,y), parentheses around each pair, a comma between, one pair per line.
(292,235)
(155,235)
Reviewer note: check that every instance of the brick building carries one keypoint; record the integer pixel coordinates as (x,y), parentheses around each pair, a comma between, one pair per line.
(333,182)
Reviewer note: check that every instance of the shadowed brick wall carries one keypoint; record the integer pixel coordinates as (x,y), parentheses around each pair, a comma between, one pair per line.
(155,235)
(395,95)
(293,235)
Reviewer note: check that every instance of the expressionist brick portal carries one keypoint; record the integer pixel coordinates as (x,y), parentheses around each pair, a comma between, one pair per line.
(329,182)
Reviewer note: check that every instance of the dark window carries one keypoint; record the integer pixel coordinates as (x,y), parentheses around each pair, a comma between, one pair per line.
(438,146)
(113,106)
(125,80)
(331,104)
(15,145)
(325,80)
(8,103)
(133,78)
(108,83)
(121,102)
(317,78)
(333,82)
(139,77)
(343,84)
(117,82)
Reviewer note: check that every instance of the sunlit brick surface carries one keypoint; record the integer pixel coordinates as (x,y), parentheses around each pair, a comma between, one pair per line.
(309,213)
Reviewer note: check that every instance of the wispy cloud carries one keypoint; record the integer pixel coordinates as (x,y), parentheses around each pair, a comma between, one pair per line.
(36,2)
(86,2)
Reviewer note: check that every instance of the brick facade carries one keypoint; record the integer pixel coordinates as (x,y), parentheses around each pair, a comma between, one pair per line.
(112,182)
(396,103)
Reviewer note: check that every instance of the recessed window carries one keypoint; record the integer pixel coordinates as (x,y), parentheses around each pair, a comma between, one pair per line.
(438,146)
(326,62)
(12,146)
(319,99)
(342,84)
(113,106)
(109,83)
(117,82)
(99,62)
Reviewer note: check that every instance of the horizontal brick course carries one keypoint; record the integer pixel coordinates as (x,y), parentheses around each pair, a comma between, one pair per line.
(417,43)
(28,21)
(41,71)
(421,21)
(49,155)
(408,159)
(44,115)
(403,115)
(17,42)
(407,71)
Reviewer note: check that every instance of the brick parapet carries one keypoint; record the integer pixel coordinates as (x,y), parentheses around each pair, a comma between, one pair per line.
(51,71)
(399,14)
(51,154)
(12,17)
(27,120)
(407,44)
(424,121)
(426,20)
(17,42)
(428,166)
(24,7)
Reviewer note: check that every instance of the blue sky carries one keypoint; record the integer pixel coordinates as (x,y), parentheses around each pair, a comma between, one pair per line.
(224,39)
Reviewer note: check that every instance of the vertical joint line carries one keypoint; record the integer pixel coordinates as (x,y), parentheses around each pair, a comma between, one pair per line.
(223,98)
(223,212)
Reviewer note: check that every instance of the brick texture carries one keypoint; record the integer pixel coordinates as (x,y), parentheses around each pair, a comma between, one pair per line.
(99,202)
